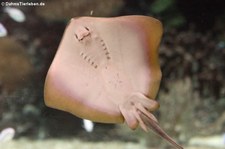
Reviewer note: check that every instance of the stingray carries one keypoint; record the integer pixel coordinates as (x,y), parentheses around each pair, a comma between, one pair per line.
(107,70)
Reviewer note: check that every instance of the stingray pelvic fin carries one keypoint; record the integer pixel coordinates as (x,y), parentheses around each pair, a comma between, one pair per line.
(136,112)
(132,106)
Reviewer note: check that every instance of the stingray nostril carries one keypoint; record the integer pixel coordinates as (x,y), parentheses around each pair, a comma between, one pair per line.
(76,36)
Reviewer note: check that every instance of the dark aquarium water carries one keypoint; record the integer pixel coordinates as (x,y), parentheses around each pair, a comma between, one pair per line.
(191,56)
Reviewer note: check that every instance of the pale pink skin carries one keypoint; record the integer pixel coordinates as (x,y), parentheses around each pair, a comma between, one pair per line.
(107,70)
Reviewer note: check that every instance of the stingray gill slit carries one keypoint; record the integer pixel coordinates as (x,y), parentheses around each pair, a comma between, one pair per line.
(94,50)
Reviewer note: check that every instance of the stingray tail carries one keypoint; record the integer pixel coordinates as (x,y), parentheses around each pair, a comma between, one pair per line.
(154,126)
(137,111)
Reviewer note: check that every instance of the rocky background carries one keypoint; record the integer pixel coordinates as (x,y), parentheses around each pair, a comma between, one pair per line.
(192,57)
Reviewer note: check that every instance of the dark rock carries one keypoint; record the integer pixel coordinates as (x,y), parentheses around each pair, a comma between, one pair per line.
(64,10)
(15,64)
